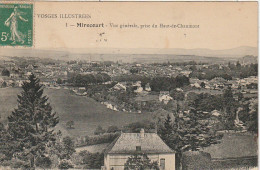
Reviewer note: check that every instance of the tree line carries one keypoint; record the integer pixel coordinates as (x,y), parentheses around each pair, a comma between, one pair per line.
(80,80)
(226,72)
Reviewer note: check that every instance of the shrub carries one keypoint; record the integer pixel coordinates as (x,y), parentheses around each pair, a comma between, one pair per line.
(43,162)
(16,163)
(99,139)
(92,160)
(64,164)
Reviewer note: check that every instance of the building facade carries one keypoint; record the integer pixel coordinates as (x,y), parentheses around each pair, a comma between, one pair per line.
(128,144)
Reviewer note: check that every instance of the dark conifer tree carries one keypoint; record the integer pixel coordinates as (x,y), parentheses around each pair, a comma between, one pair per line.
(188,132)
(31,123)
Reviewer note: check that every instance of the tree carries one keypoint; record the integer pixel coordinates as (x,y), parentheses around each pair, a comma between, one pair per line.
(202,84)
(140,161)
(6,146)
(167,128)
(112,129)
(240,96)
(188,132)
(99,130)
(230,106)
(70,124)
(59,81)
(64,164)
(204,101)
(31,124)
(68,148)
(177,95)
(253,116)
(4,84)
(238,65)
(92,160)
(5,72)
(134,70)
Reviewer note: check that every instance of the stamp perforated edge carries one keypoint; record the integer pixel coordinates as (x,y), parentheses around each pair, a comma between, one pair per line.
(33,25)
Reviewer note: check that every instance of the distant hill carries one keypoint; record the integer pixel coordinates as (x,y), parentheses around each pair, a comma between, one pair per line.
(233,52)
(248,59)
(133,55)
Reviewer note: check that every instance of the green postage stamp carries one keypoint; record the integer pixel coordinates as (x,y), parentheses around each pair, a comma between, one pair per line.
(16,24)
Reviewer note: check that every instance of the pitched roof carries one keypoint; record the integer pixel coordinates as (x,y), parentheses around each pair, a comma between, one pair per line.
(126,143)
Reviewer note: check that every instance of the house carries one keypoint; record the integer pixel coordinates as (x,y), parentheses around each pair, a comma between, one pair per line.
(165,97)
(144,100)
(215,113)
(138,86)
(197,85)
(119,86)
(128,144)
(147,87)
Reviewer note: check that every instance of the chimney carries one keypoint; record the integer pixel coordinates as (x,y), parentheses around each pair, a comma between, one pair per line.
(142,133)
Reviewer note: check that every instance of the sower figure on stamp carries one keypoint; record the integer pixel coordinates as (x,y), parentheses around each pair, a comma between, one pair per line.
(12,21)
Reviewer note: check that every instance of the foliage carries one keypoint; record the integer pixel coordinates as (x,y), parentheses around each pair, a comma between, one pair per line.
(43,162)
(92,160)
(7,146)
(99,139)
(252,86)
(68,147)
(30,125)
(168,83)
(177,95)
(253,116)
(135,127)
(227,72)
(5,72)
(4,84)
(159,83)
(80,80)
(112,129)
(134,70)
(202,84)
(59,81)
(187,133)
(18,163)
(205,101)
(230,107)
(65,164)
(140,161)
(70,124)
(224,103)
(63,148)
(131,78)
(99,130)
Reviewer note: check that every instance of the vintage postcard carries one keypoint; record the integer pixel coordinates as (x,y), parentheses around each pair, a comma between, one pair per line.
(128,85)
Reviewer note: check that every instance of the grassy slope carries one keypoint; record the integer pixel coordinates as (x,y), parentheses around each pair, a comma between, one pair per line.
(85,112)
(234,145)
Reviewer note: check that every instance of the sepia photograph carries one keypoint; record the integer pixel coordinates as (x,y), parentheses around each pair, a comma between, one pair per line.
(85,88)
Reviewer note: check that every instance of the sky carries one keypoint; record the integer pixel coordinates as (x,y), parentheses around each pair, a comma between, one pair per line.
(222,25)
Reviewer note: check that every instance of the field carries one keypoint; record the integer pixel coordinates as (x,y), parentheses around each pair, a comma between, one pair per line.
(85,112)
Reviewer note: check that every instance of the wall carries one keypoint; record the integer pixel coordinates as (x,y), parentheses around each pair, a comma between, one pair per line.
(117,161)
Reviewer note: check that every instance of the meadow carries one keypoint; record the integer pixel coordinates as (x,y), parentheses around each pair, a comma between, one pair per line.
(85,112)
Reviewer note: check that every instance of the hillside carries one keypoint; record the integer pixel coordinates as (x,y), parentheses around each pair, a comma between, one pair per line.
(85,112)
(133,55)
